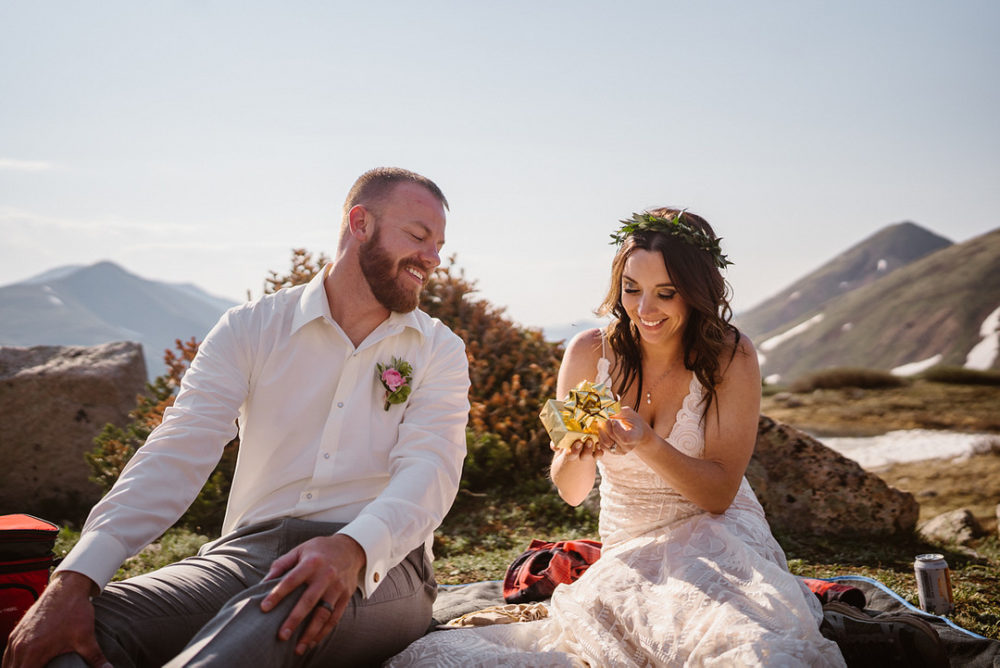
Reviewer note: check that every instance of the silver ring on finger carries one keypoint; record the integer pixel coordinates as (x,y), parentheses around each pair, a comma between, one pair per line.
(325,605)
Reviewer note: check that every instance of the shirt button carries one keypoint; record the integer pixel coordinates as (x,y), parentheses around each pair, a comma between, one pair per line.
(309,496)
(326,455)
(340,404)
(375,576)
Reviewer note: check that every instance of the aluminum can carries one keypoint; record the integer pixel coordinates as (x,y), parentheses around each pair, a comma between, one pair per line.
(933,583)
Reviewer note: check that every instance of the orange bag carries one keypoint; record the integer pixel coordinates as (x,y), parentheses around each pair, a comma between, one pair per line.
(26,558)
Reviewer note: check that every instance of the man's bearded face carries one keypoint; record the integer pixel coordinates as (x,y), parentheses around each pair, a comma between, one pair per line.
(382,272)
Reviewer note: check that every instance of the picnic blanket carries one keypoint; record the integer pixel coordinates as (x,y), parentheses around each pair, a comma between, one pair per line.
(965,648)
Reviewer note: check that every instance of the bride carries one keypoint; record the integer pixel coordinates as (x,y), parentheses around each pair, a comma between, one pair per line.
(690,573)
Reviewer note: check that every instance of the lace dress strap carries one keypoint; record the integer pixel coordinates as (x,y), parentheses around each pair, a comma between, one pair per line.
(603,364)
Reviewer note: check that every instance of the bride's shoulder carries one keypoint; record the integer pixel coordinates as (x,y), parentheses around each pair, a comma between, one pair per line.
(588,344)
(580,359)
(741,342)
(740,356)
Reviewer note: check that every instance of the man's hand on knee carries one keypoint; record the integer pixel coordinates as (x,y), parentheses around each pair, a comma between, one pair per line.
(328,566)
(61,621)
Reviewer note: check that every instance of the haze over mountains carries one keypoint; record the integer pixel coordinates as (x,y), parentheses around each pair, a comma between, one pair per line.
(903,299)
(87,305)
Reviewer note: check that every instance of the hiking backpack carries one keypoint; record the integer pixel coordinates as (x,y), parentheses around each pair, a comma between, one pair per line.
(26,557)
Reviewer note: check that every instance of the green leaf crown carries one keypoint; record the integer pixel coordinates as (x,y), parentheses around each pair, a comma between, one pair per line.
(675,227)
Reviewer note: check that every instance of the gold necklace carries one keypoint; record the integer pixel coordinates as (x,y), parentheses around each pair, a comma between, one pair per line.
(649,392)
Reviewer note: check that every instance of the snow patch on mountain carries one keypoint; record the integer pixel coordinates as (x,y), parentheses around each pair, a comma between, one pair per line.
(776,341)
(914,368)
(984,354)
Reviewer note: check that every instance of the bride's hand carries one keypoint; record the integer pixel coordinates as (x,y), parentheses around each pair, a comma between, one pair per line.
(624,432)
(582,450)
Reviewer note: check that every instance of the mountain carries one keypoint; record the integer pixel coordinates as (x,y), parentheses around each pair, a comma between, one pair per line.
(87,305)
(933,310)
(878,255)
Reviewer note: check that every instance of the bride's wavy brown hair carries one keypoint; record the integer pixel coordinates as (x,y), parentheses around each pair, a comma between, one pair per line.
(708,333)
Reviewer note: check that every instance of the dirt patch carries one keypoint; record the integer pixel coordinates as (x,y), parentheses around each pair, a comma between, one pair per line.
(942,485)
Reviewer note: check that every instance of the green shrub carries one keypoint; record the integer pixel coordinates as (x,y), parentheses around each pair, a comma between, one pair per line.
(957,375)
(513,369)
(847,377)
(489,462)
(114,446)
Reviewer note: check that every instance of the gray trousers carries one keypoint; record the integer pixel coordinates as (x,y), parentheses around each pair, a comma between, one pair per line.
(205,610)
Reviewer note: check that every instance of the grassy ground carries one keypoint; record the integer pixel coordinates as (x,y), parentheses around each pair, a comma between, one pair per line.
(483,533)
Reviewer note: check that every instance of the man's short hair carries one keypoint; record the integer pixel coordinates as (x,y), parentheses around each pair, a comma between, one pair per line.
(374,186)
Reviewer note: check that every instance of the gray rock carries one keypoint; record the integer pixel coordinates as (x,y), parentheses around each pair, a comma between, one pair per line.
(53,401)
(805,487)
(959,527)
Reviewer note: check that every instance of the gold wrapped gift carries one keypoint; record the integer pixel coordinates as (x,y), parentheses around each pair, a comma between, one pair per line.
(585,408)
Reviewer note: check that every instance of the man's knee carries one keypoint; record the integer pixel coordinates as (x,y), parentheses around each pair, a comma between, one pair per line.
(398,612)
(72,660)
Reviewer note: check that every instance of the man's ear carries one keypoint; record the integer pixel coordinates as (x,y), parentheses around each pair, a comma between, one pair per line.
(361,222)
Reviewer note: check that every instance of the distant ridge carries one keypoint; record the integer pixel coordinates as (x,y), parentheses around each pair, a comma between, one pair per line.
(87,305)
(885,251)
(933,310)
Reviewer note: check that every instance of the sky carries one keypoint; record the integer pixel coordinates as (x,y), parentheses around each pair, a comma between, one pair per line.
(201,141)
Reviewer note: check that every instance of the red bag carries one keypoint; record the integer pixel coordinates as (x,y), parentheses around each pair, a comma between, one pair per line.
(827,591)
(534,574)
(26,544)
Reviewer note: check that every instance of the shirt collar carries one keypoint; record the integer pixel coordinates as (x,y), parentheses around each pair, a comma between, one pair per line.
(313,304)
(400,321)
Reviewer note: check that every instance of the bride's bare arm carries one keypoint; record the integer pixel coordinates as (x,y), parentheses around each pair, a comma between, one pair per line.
(574,471)
(710,482)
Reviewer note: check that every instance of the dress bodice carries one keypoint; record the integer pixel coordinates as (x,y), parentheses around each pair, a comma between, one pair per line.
(634,499)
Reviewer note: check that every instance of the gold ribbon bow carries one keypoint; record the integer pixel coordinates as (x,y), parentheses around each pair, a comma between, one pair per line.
(585,408)
(588,405)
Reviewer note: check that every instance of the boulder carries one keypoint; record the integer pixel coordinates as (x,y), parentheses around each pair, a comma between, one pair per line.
(959,527)
(53,401)
(805,487)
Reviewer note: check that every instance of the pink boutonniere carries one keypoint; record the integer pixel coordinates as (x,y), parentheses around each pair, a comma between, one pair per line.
(395,378)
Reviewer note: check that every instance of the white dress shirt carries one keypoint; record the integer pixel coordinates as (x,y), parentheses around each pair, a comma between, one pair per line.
(315,440)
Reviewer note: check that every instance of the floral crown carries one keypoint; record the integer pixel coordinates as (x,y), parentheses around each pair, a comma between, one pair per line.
(675,227)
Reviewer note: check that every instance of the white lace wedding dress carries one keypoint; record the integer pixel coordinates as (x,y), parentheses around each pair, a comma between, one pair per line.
(675,586)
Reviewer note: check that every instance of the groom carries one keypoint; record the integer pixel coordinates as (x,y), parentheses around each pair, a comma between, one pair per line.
(351,407)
